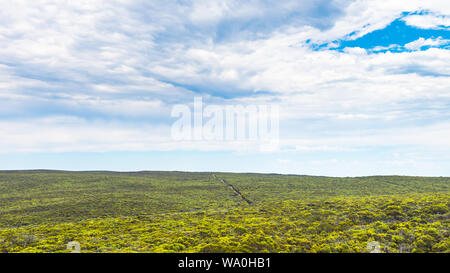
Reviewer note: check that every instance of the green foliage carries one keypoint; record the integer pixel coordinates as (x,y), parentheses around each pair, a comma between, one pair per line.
(194,212)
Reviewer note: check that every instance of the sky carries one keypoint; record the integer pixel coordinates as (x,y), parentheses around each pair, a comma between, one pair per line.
(363,87)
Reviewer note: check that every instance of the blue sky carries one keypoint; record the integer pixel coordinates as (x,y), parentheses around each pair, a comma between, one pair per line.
(363,86)
(394,37)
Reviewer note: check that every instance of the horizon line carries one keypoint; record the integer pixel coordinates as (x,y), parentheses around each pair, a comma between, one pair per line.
(212,172)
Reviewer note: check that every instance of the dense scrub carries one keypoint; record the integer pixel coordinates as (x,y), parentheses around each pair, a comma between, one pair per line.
(194,212)
(36,197)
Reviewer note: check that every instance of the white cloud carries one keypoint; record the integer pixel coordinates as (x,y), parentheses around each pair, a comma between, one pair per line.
(71,134)
(428,21)
(421,42)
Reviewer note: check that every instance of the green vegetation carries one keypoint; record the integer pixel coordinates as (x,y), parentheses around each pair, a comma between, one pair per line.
(41,211)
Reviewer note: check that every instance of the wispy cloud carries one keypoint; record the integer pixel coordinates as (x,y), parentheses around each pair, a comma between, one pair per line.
(428,21)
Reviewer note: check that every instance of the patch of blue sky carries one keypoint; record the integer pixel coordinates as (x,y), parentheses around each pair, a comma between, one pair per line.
(337,163)
(394,38)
